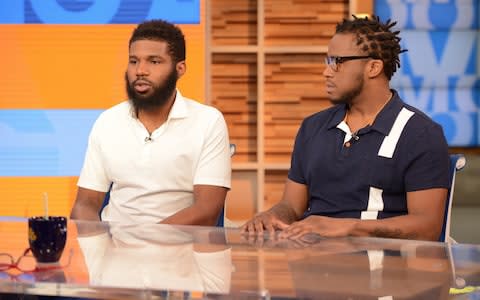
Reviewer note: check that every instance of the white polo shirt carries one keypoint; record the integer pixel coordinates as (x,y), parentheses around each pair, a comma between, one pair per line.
(154,179)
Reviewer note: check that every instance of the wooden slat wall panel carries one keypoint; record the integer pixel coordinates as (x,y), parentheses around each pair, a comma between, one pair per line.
(292,38)
(294,89)
(242,198)
(274,184)
(234,93)
(302,22)
(234,22)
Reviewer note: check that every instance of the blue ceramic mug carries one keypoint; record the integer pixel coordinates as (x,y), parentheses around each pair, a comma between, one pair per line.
(47,237)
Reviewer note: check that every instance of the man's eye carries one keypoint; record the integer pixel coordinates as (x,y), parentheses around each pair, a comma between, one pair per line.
(155,62)
(132,61)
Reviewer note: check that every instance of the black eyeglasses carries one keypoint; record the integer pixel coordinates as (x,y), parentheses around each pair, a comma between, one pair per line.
(334,61)
(26,263)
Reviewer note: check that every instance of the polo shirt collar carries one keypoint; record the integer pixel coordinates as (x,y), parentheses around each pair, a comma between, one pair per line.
(338,116)
(179,108)
(386,117)
(384,120)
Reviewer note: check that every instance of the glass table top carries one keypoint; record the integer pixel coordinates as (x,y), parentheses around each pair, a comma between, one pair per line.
(149,261)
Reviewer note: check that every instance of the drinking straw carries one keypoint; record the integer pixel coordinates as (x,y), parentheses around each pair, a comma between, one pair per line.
(45,204)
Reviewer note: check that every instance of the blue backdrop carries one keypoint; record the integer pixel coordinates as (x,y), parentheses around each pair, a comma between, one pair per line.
(440,72)
(52,142)
(98,11)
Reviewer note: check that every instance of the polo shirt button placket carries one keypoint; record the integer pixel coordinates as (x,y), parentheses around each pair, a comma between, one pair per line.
(146,153)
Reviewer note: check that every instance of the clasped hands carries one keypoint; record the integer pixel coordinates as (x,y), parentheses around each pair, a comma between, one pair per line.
(320,225)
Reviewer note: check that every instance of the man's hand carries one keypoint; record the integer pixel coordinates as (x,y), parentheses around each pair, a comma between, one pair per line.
(266,221)
(288,210)
(323,226)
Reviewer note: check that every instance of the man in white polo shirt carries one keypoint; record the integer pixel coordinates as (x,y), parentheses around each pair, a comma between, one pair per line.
(165,158)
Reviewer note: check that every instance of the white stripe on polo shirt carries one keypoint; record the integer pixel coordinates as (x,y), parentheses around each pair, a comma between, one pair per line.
(375,199)
(375,204)
(390,141)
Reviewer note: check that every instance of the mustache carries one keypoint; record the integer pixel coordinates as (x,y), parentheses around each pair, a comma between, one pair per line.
(141,80)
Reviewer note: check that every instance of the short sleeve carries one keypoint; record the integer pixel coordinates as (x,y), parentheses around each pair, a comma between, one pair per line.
(296,172)
(429,161)
(214,166)
(93,175)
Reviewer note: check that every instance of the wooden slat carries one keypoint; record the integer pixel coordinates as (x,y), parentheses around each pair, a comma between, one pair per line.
(302,22)
(296,49)
(242,198)
(234,49)
(274,184)
(361,8)
(294,89)
(234,22)
(234,78)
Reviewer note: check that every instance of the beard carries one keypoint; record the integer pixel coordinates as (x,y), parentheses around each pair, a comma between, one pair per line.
(158,98)
(347,97)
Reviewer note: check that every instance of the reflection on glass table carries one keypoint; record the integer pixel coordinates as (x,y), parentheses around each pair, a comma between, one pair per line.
(152,256)
(115,261)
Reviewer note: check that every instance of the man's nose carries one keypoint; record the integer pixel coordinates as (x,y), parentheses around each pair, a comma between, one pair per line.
(142,69)
(327,72)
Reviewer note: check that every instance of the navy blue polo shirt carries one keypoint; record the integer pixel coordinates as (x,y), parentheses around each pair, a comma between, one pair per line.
(402,151)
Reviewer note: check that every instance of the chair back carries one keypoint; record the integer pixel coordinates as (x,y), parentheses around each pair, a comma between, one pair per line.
(221,217)
(457,162)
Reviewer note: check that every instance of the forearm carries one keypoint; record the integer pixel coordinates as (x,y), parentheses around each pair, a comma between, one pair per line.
(284,212)
(87,205)
(85,211)
(416,227)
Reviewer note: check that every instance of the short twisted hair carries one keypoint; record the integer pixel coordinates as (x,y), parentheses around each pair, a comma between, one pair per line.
(375,39)
(160,30)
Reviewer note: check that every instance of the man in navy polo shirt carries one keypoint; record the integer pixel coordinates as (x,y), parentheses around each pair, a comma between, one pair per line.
(371,165)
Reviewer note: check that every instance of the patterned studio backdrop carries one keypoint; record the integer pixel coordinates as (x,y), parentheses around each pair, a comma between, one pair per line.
(63,62)
(440,72)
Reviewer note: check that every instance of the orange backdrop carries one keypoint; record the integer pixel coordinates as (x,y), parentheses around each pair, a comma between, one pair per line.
(72,67)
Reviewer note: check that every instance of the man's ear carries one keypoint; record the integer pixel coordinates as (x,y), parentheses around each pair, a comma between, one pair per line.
(375,68)
(181,68)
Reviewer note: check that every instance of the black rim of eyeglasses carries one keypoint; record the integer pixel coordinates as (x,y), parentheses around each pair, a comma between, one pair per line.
(341,59)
